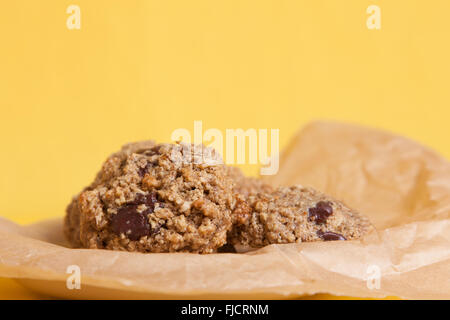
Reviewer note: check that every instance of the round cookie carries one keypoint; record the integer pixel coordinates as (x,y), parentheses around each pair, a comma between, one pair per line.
(155,198)
(247,185)
(295,214)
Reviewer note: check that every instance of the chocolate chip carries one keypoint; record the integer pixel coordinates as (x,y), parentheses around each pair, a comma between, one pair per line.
(140,198)
(226,248)
(325,205)
(148,199)
(144,170)
(130,222)
(320,212)
(330,236)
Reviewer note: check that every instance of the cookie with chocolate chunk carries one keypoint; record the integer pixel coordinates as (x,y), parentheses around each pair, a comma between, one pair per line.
(295,214)
(155,198)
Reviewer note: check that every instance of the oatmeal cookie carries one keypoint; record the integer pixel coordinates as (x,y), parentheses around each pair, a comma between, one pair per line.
(247,185)
(295,214)
(155,198)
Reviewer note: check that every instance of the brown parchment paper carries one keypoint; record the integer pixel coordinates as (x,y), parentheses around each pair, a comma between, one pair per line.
(403,187)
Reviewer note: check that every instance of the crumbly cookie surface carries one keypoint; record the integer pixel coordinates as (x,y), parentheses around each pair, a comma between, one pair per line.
(295,214)
(155,198)
(245,185)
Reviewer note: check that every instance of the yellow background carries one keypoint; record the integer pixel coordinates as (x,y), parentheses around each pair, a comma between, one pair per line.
(140,69)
